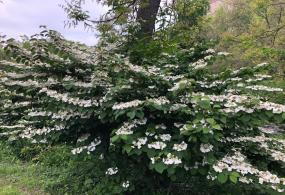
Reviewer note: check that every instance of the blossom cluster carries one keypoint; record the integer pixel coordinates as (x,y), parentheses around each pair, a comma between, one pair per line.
(66,98)
(237,162)
(90,148)
(127,128)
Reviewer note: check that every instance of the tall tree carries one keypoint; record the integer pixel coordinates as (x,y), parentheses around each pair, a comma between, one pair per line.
(146,15)
(121,11)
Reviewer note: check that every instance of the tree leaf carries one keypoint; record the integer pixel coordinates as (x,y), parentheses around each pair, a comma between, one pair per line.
(131,114)
(159,167)
(127,148)
(222,178)
(115,138)
(233,178)
(206,104)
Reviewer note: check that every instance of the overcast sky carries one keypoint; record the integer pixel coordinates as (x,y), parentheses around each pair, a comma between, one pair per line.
(23,17)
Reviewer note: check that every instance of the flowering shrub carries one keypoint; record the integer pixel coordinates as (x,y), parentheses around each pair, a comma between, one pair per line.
(151,125)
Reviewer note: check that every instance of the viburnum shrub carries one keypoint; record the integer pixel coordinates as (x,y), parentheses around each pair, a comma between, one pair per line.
(152,125)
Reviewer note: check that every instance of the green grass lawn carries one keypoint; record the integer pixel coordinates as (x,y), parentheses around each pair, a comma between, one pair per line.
(16,177)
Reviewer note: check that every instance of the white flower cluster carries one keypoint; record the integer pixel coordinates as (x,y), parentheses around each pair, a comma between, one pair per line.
(237,163)
(65,98)
(180,147)
(205,148)
(112,171)
(125,184)
(14,65)
(269,129)
(15,75)
(171,159)
(277,155)
(263,143)
(199,64)
(157,145)
(82,84)
(62,115)
(210,84)
(160,126)
(127,128)
(175,107)
(275,108)
(210,51)
(264,88)
(159,101)
(12,127)
(29,132)
(125,105)
(223,53)
(163,137)
(91,147)
(174,77)
(261,65)
(139,143)
(209,57)
(39,113)
(138,69)
(259,77)
(83,137)
(28,83)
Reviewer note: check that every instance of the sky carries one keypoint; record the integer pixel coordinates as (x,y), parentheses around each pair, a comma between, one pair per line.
(23,17)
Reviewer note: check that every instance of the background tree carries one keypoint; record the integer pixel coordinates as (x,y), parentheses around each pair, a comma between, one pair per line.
(252,30)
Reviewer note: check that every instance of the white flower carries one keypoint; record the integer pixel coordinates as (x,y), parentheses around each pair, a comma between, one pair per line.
(157,145)
(112,171)
(140,142)
(223,53)
(171,160)
(126,105)
(199,64)
(264,88)
(126,184)
(165,137)
(261,65)
(180,147)
(206,148)
(83,137)
(127,127)
(210,51)
(159,101)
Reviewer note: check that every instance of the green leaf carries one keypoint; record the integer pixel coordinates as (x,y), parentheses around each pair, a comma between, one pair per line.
(283,116)
(222,178)
(171,171)
(218,127)
(159,167)
(206,104)
(131,114)
(124,137)
(127,148)
(236,174)
(211,121)
(140,114)
(115,138)
(233,178)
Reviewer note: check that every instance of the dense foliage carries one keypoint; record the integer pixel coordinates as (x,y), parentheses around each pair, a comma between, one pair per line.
(168,125)
(252,30)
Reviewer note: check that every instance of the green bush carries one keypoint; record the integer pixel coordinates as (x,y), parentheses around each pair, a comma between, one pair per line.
(169,126)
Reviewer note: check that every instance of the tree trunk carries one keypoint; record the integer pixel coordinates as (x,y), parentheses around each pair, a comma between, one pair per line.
(146,16)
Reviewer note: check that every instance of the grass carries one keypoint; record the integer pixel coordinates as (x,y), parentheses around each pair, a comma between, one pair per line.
(17,178)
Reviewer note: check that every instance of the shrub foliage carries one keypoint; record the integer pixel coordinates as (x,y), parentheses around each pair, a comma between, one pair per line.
(168,123)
